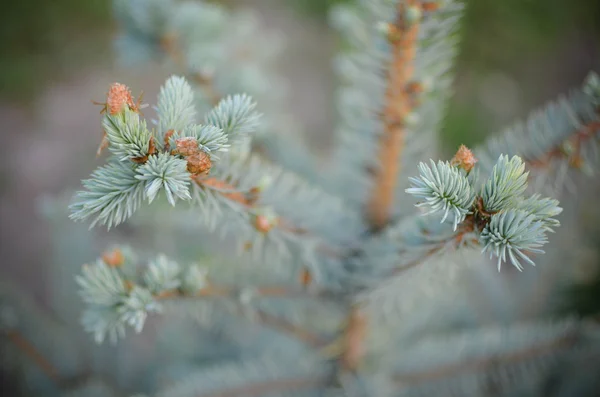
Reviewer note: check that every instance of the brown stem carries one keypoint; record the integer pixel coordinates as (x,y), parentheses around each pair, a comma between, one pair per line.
(456,240)
(398,105)
(270,387)
(274,291)
(283,325)
(579,138)
(35,355)
(262,316)
(226,190)
(354,340)
(482,364)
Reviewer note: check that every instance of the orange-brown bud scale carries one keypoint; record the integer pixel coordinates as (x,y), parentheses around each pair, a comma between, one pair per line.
(128,285)
(117,98)
(464,158)
(429,6)
(305,278)
(114,258)
(151,151)
(263,224)
(168,136)
(414,87)
(199,163)
(187,146)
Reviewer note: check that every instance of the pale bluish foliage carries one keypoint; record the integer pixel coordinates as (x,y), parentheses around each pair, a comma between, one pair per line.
(544,209)
(445,189)
(127,135)
(176,108)
(513,225)
(112,195)
(168,173)
(114,304)
(546,130)
(234,115)
(101,285)
(162,275)
(511,234)
(506,185)
(135,308)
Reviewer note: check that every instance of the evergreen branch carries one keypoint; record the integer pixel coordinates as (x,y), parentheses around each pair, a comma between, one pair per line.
(403,38)
(287,327)
(562,342)
(273,386)
(258,315)
(269,291)
(113,194)
(25,346)
(128,136)
(569,149)
(176,108)
(563,134)
(461,237)
(486,363)
(256,376)
(445,189)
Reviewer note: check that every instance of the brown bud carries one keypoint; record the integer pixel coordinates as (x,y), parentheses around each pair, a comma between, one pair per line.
(187,146)
(305,278)
(114,258)
(263,224)
(117,98)
(429,6)
(128,285)
(464,158)
(199,163)
(151,151)
(168,136)
(414,87)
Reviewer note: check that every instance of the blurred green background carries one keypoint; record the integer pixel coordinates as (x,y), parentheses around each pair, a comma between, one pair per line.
(527,50)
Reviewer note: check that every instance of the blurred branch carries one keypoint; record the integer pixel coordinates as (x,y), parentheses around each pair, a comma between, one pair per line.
(402,35)
(25,346)
(485,363)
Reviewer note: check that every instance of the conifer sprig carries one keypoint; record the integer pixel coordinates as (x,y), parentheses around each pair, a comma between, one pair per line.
(508,224)
(145,164)
(120,293)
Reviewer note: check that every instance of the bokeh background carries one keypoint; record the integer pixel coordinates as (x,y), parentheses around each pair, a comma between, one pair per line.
(56,56)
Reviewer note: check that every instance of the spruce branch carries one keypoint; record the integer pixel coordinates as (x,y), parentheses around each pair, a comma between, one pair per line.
(29,350)
(119,295)
(507,224)
(112,195)
(258,389)
(176,109)
(501,356)
(513,232)
(444,188)
(402,36)
(561,135)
